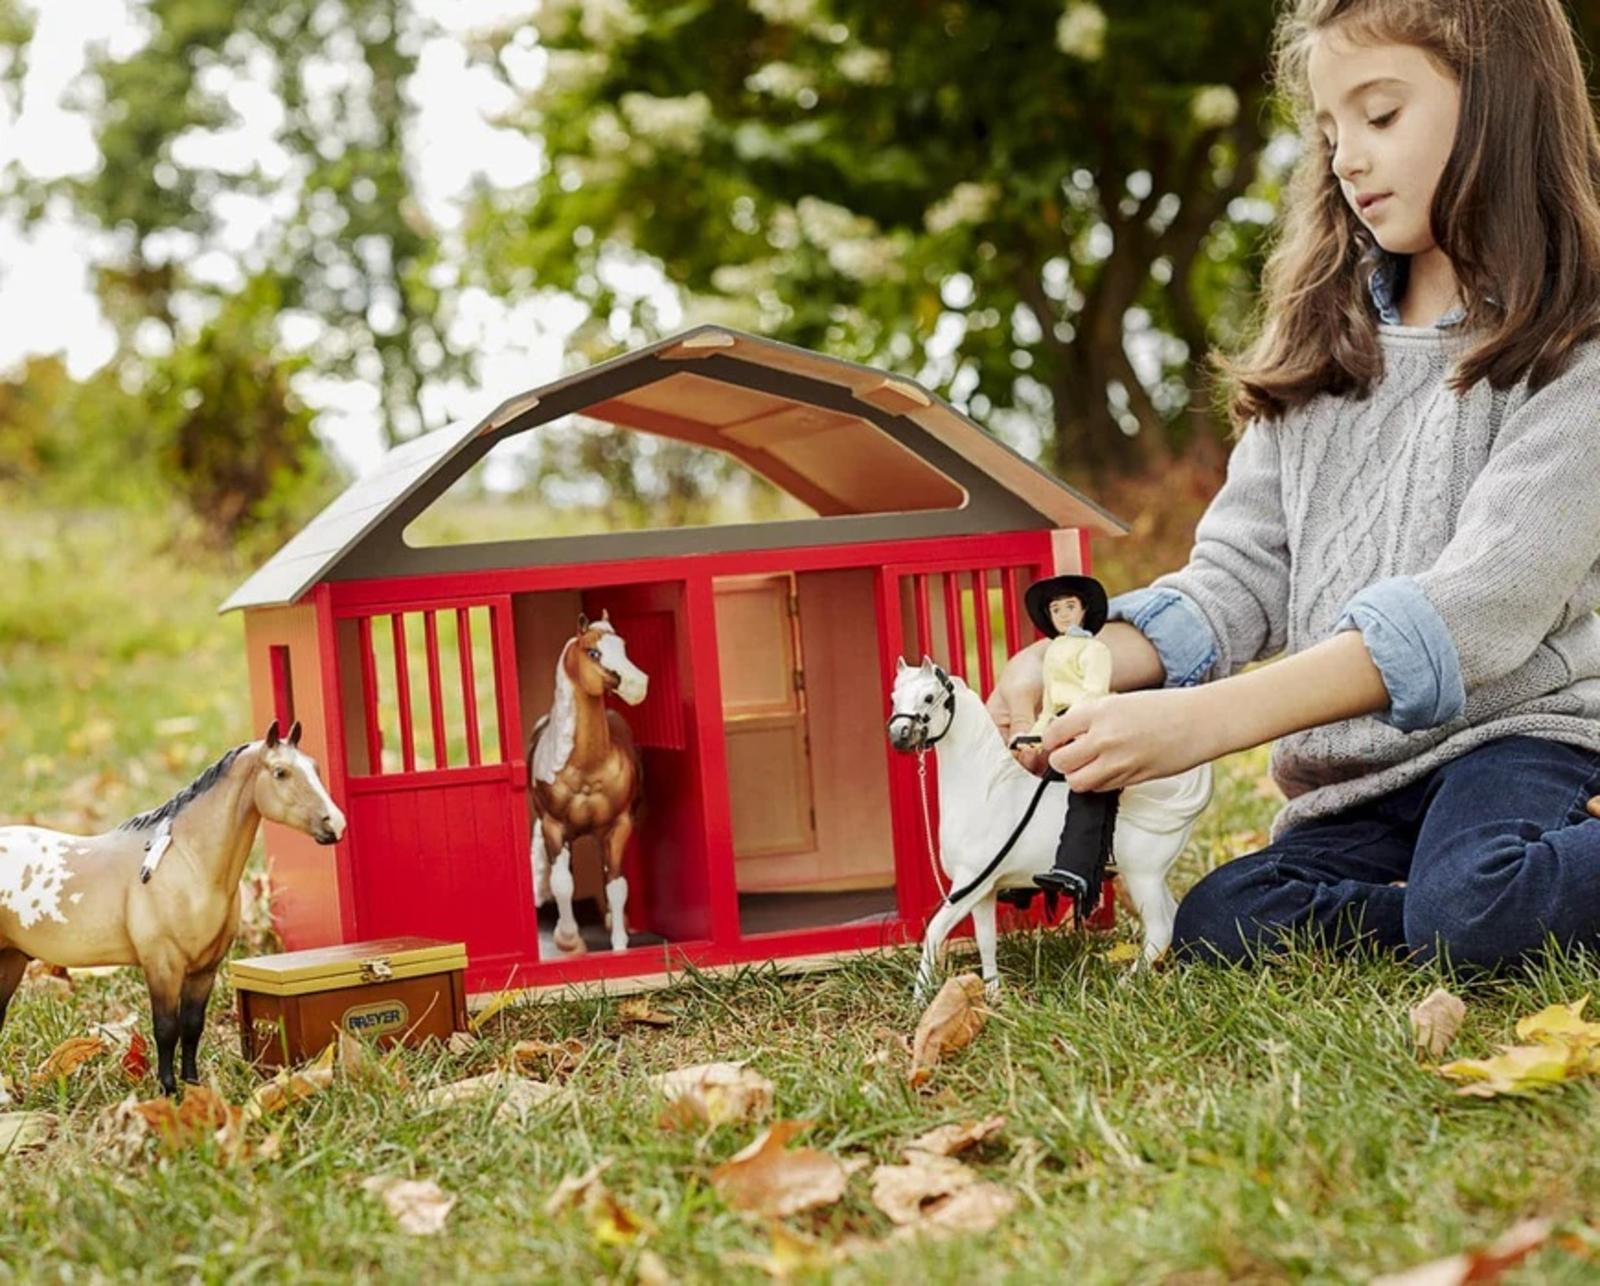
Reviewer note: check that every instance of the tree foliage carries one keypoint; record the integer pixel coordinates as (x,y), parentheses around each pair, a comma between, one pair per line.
(989,195)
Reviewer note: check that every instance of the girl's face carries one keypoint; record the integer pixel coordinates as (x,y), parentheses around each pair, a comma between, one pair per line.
(1389,115)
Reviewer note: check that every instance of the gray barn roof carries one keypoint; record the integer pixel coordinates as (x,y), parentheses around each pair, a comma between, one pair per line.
(800,419)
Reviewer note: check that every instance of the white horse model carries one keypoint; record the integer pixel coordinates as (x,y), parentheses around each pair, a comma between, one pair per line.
(984,793)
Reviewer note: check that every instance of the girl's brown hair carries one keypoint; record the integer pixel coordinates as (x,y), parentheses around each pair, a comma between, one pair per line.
(1517,209)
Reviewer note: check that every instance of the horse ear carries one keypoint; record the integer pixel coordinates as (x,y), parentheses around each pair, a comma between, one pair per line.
(272,735)
(900,666)
(927,663)
(605,615)
(294,733)
(583,622)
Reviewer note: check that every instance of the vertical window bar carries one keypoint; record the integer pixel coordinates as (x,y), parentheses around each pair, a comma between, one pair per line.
(469,685)
(1008,596)
(955,636)
(369,696)
(402,686)
(430,629)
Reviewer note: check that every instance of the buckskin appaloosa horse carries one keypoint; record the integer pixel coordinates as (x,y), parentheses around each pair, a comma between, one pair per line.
(161,891)
(584,775)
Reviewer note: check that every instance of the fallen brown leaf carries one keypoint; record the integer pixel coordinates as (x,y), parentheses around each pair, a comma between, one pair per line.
(201,1115)
(68,1056)
(22,1131)
(358,1063)
(715,1093)
(575,1188)
(1436,1020)
(636,1009)
(953,1020)
(461,1042)
(1484,1265)
(47,979)
(975,1209)
(652,1270)
(770,1178)
(288,1087)
(520,1095)
(531,1056)
(1123,953)
(790,1255)
(418,1206)
(901,1191)
(947,1140)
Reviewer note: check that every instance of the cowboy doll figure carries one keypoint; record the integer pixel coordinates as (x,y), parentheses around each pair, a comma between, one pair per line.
(1070,611)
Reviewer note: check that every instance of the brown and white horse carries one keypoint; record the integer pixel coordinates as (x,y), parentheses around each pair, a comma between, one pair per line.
(91,900)
(584,775)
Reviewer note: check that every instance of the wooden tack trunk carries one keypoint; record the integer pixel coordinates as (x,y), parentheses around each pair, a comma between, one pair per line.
(291,1006)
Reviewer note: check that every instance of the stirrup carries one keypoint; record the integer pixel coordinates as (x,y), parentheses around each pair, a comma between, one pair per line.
(1057,880)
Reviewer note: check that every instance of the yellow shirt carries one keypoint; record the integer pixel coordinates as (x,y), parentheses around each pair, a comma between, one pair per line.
(1075,667)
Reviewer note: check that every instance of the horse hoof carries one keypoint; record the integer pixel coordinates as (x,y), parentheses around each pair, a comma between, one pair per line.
(570,942)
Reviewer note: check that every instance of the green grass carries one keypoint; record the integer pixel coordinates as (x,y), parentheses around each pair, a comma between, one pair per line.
(1185,1127)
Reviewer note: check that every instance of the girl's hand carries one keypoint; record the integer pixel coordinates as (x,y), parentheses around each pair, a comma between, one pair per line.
(1014,703)
(1106,743)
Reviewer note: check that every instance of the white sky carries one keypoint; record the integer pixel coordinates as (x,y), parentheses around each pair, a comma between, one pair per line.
(47,304)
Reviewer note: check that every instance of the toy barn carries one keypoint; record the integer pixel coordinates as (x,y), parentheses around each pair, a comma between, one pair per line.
(777,824)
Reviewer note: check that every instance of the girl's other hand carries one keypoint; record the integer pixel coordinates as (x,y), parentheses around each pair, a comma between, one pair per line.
(1106,743)
(1014,703)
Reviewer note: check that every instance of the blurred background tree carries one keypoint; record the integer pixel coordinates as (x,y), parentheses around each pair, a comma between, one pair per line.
(1046,210)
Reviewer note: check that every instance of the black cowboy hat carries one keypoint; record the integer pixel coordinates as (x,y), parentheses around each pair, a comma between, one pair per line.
(1086,589)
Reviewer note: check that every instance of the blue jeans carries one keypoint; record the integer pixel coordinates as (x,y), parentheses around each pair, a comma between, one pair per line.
(1495,847)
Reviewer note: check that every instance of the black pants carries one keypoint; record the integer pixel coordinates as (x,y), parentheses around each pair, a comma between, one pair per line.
(1084,849)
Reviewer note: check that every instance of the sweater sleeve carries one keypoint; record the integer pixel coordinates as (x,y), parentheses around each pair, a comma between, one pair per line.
(1526,538)
(1237,577)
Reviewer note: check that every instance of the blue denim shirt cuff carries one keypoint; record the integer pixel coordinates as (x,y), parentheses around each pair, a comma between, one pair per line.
(1176,628)
(1412,648)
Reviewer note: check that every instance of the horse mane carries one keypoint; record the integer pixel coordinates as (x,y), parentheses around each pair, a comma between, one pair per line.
(560,725)
(199,786)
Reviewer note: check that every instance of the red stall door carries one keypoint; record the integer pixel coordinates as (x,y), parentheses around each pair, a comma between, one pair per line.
(437,786)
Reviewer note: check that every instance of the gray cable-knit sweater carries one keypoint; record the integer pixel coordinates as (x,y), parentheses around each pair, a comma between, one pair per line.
(1461,535)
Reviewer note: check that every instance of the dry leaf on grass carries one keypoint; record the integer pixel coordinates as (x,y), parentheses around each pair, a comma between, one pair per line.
(201,1115)
(418,1206)
(1563,1024)
(461,1042)
(610,1222)
(531,1056)
(1517,1069)
(361,1065)
(791,1255)
(1483,1265)
(22,1131)
(288,1087)
(901,1191)
(770,1178)
(520,1095)
(1123,953)
(947,1140)
(1436,1020)
(975,1209)
(652,1270)
(953,1019)
(47,979)
(636,1009)
(68,1056)
(715,1093)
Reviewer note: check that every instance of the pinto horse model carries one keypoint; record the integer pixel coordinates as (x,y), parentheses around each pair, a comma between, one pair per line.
(984,795)
(91,900)
(584,775)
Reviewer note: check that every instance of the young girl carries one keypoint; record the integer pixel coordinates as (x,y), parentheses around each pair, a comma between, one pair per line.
(1412,514)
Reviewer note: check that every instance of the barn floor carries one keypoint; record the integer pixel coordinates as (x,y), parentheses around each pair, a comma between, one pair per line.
(778,912)
(758,913)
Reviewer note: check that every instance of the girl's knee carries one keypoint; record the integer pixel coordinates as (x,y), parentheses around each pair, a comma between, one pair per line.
(1214,924)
